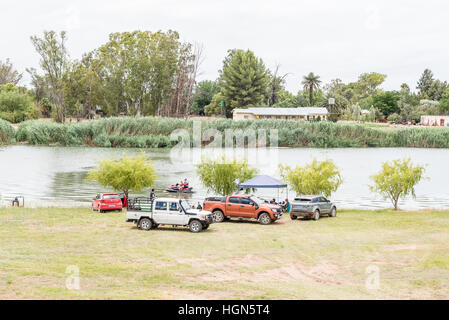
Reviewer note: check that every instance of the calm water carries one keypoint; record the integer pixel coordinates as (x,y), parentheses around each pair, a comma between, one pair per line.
(54,176)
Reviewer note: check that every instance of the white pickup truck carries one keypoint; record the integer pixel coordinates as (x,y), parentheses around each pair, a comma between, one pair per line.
(149,214)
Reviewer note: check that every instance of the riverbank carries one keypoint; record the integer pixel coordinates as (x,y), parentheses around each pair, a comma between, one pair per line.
(151,132)
(328,259)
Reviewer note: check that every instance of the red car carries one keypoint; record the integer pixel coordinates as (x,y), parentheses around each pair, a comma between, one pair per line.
(107,201)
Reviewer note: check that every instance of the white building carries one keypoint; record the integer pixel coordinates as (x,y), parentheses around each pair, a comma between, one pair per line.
(435,121)
(306,113)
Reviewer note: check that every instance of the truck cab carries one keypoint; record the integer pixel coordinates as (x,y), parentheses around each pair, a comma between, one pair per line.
(148,214)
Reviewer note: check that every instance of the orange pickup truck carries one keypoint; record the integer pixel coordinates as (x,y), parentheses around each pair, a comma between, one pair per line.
(242,206)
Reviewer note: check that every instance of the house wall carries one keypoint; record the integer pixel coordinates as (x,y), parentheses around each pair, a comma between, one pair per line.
(250,116)
(243,116)
(435,121)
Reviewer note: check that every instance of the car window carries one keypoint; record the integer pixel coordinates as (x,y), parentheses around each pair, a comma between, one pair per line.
(111,196)
(323,199)
(303,199)
(161,205)
(315,200)
(245,201)
(173,206)
(234,200)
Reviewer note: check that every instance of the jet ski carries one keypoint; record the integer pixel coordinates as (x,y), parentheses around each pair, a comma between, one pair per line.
(177,188)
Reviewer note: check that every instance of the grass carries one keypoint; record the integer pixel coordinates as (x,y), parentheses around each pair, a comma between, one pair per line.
(327,259)
(7,132)
(154,132)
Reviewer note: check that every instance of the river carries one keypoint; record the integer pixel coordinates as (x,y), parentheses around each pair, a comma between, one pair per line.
(55,176)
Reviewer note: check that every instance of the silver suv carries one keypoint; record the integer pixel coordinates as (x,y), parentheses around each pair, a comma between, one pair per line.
(312,207)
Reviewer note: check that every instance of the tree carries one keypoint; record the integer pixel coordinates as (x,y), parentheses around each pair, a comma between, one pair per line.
(203,93)
(244,81)
(405,88)
(386,102)
(83,88)
(444,103)
(128,173)
(369,83)
(311,82)
(425,82)
(54,62)
(16,105)
(275,86)
(437,90)
(397,179)
(223,175)
(315,178)
(8,74)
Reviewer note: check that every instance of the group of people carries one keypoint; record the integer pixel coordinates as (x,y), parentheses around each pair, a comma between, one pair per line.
(285,205)
(183,184)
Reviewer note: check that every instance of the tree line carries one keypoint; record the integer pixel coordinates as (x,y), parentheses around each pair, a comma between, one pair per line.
(144,73)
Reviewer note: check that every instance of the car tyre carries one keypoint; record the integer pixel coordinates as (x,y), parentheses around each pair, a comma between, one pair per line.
(195,226)
(265,219)
(218,216)
(145,224)
(316,215)
(333,213)
(293,217)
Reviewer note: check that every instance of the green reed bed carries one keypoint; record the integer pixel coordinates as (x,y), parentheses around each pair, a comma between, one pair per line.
(7,132)
(154,132)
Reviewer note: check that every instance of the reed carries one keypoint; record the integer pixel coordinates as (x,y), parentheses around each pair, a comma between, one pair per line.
(154,132)
(7,132)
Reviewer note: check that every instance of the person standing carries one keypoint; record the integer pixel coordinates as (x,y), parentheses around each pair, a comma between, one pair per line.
(152,195)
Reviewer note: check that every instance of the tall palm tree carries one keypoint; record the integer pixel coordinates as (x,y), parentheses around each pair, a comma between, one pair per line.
(311,82)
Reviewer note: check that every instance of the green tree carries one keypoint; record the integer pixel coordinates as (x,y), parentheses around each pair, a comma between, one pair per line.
(54,61)
(311,82)
(444,103)
(8,74)
(315,178)
(386,102)
(223,175)
(83,88)
(244,81)
(369,83)
(275,86)
(128,173)
(203,93)
(424,83)
(397,179)
(16,105)
(437,90)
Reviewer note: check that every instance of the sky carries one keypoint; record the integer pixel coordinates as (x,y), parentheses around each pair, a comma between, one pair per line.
(334,39)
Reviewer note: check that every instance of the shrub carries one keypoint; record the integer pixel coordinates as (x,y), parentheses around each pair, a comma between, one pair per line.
(7,132)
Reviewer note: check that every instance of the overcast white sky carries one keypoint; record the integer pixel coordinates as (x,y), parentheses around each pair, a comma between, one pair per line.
(331,38)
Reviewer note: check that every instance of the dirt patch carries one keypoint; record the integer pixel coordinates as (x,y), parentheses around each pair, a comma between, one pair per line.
(321,273)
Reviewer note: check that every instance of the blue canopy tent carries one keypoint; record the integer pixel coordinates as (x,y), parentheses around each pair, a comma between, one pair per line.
(264,182)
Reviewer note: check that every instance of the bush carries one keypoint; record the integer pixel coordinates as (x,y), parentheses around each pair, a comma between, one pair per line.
(7,132)
(16,106)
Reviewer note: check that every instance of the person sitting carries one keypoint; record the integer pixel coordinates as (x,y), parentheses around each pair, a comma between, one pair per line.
(186,183)
(273,201)
(15,201)
(286,206)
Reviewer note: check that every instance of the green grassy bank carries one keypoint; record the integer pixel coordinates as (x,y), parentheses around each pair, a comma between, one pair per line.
(150,132)
(332,258)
